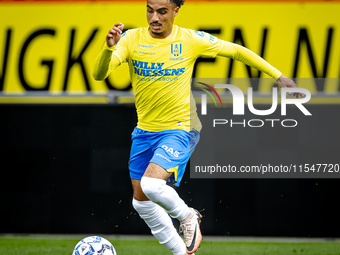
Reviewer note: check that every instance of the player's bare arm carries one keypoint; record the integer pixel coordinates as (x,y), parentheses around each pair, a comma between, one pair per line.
(114,34)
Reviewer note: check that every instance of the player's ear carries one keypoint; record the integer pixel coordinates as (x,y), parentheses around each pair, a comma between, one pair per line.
(176,10)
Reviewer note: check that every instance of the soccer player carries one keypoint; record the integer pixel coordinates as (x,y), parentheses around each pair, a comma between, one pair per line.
(161,59)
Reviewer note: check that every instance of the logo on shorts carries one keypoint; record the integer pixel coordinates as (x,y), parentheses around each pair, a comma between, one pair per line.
(160,155)
(170,150)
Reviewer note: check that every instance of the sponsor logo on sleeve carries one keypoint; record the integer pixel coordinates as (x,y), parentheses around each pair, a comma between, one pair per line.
(211,38)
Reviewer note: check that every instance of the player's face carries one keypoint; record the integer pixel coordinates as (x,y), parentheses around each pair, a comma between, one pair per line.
(161,15)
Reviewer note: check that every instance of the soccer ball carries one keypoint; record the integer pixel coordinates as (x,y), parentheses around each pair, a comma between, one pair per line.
(94,245)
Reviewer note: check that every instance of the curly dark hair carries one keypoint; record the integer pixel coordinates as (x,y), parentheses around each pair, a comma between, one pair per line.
(177,2)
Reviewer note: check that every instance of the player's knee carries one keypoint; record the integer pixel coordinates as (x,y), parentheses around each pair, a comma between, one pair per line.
(145,209)
(152,187)
(138,205)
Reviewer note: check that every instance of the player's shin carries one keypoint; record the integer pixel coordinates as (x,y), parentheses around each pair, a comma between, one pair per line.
(161,225)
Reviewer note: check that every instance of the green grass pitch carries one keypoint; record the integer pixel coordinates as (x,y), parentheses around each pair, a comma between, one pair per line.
(64,246)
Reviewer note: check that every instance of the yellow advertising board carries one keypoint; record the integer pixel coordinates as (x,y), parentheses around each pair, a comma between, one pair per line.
(52,46)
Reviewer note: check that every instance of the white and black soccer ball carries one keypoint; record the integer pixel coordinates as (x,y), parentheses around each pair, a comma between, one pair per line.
(94,245)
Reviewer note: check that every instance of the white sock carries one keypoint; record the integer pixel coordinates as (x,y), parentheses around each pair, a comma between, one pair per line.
(160,193)
(161,225)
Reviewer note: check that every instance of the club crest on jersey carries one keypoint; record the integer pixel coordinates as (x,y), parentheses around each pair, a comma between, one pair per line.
(176,49)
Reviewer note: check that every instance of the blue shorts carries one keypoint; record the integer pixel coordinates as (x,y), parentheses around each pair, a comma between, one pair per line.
(170,149)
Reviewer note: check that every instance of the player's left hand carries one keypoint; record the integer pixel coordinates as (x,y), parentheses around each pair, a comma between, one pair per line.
(285,82)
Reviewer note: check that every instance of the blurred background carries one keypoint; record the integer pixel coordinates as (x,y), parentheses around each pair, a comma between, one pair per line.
(65,138)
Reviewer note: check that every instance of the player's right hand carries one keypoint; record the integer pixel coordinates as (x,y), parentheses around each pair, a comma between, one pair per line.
(114,34)
(285,82)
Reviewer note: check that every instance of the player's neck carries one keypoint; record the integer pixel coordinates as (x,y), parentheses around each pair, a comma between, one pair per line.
(161,36)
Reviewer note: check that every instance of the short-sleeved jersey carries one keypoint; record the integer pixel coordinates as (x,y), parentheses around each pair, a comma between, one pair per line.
(161,71)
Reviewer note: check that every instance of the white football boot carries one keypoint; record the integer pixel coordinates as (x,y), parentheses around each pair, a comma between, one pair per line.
(191,231)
